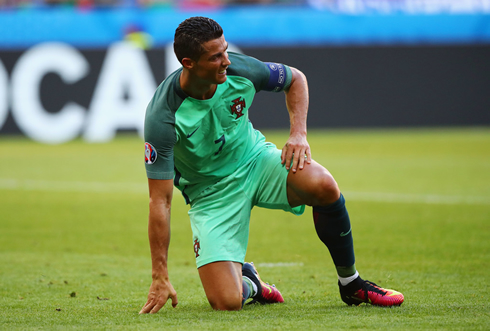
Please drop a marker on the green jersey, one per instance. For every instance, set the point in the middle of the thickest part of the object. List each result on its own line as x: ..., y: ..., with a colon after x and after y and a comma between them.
x: 199, y: 142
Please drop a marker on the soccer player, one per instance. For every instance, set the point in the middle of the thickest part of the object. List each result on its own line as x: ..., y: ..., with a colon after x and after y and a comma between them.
x: 199, y: 138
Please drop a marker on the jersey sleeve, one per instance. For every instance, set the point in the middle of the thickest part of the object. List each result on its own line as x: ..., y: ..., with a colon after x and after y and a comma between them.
x: 160, y: 135
x: 159, y: 151
x: 266, y: 76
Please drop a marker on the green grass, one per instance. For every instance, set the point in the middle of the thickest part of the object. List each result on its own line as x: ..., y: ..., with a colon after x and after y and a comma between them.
x: 74, y: 250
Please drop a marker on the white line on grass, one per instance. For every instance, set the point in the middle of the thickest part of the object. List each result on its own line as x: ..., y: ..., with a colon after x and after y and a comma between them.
x: 417, y: 198
x: 70, y: 186
x: 106, y: 187
x: 279, y: 264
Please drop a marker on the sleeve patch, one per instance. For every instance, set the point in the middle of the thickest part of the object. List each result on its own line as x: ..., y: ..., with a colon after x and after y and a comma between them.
x: 277, y: 78
x: 150, y: 154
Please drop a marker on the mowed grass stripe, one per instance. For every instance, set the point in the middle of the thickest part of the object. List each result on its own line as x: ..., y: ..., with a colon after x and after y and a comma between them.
x: 107, y: 187
x: 417, y: 198
x: 71, y: 186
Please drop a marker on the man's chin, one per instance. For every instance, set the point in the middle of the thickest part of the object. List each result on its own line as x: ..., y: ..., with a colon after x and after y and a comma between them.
x: 222, y: 79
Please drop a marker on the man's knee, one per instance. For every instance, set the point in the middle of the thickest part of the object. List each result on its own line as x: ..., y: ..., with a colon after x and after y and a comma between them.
x: 222, y: 282
x: 327, y: 190
x: 227, y: 302
x: 314, y: 187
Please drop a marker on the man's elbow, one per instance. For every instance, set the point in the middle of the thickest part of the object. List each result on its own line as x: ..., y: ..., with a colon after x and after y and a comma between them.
x: 160, y: 202
x: 297, y: 78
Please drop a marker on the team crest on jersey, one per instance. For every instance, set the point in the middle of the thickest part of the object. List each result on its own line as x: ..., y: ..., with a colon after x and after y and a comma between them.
x: 197, y: 247
x: 238, y: 107
x: 150, y: 154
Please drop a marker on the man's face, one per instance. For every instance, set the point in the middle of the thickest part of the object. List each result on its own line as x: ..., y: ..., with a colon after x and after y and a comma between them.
x: 212, y: 65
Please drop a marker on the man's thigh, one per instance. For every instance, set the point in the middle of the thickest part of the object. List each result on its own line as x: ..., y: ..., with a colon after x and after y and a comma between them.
x: 220, y: 219
x: 269, y: 182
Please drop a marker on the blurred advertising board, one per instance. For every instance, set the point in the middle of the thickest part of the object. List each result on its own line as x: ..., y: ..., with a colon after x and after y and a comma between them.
x: 68, y: 73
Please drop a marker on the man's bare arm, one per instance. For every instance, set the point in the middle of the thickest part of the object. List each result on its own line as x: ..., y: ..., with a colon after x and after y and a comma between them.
x: 159, y: 235
x: 297, y: 101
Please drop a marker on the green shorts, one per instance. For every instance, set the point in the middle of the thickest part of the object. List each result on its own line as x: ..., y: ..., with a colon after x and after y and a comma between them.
x: 220, y: 215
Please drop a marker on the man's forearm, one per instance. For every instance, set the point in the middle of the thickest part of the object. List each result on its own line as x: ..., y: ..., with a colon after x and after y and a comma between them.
x: 297, y: 102
x: 159, y: 236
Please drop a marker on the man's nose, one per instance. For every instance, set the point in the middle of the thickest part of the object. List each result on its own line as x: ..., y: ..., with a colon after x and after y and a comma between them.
x: 227, y: 61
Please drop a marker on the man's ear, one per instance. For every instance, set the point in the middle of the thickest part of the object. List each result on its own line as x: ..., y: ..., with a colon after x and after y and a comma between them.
x: 188, y: 63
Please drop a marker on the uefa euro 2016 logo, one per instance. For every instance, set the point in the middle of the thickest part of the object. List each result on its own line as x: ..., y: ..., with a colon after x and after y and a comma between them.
x: 150, y: 154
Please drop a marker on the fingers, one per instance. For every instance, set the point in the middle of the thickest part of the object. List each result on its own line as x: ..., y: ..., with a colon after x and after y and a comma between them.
x: 306, y: 157
x: 288, y: 153
x: 173, y: 297
x: 146, y: 308
x: 153, y: 305
x: 301, y: 160
x: 283, y: 154
x: 296, y: 159
x: 157, y: 307
x: 298, y: 156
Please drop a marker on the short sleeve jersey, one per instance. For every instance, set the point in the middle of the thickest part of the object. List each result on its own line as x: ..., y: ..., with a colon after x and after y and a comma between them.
x: 198, y: 142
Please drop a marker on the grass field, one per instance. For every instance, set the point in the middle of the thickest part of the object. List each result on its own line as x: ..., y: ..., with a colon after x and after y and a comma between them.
x: 74, y: 251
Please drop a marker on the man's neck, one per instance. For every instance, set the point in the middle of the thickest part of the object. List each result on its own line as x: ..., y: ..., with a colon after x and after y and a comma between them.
x: 194, y: 89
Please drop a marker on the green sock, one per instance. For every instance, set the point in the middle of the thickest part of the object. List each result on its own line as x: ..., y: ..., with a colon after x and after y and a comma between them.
x: 346, y: 271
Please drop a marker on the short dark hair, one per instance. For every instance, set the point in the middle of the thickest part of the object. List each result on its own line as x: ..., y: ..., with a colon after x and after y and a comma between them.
x: 192, y: 33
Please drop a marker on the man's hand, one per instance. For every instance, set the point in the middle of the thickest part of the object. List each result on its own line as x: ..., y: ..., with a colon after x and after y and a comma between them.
x: 160, y: 291
x: 296, y: 149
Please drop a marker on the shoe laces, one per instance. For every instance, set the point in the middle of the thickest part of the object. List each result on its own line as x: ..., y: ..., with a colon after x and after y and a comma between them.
x: 368, y: 286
